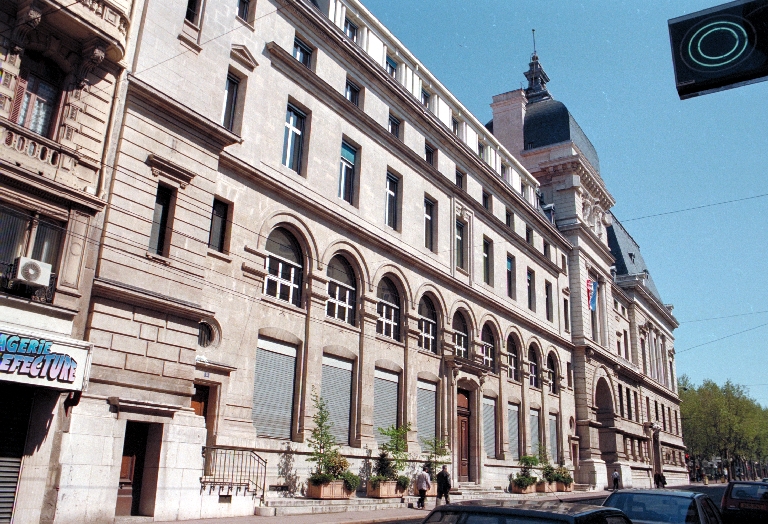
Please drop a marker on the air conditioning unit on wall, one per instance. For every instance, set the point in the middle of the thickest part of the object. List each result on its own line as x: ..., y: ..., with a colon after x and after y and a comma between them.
x: 31, y: 272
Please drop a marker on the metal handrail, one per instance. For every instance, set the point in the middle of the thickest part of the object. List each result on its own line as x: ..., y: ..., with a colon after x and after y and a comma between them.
x: 234, y: 469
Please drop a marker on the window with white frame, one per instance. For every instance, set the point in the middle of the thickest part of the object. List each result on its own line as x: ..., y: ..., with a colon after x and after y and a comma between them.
x: 342, y: 290
x: 460, y: 247
x: 427, y: 325
x: 293, y: 139
x: 388, y: 309
x: 285, y: 267
x: 429, y: 224
x: 513, y: 359
x: 425, y: 98
x: 390, y: 208
x: 350, y: 30
x: 552, y: 374
x: 347, y: 172
x: 488, y: 346
x: 460, y: 335
x: 391, y: 67
x: 533, y: 368
x: 302, y: 52
x: 230, y: 101
x: 487, y: 261
x: 352, y: 92
x: 393, y: 125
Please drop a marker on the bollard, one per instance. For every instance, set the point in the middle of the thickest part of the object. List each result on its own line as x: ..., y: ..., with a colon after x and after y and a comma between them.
x: 706, y: 480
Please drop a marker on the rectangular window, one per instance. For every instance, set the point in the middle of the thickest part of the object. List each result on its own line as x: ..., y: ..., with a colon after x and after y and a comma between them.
x: 352, y: 93
x: 390, y: 215
x: 504, y: 170
x: 425, y: 98
x: 564, y: 264
x: 593, y: 323
x: 626, y: 345
x: 486, y: 201
x: 511, y: 280
x: 569, y: 372
x: 487, y: 261
x: 529, y: 235
x: 426, y: 409
x: 243, y: 9
x: 637, y: 408
x: 302, y: 52
x: 347, y: 172
x: 656, y: 405
x: 272, y: 411
x: 230, y: 101
x: 553, y: 439
x: 629, y: 404
x: 336, y: 390
x: 547, y: 250
x: 548, y: 300
x: 391, y: 67
x: 158, y: 237
x: 621, y: 401
x: 218, y: 232
x: 350, y: 30
x: 459, y: 179
x: 513, y: 421
x: 459, y: 245
x: 385, y: 394
x: 663, y: 418
x: 489, y: 427
x: 618, y: 347
x: 509, y: 219
x: 293, y: 140
x: 531, y: 281
x: 394, y: 126
x: 20, y: 237
x: 566, y: 315
x: 429, y: 155
x: 455, y: 126
x: 524, y: 191
x: 193, y: 11
x: 677, y: 424
x: 481, y: 150
x: 535, y: 432
x: 429, y: 209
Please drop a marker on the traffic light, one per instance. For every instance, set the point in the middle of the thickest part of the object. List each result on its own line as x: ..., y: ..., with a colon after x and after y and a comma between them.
x: 720, y: 48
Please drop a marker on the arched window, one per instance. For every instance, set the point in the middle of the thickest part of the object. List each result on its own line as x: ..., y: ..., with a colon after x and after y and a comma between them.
x: 533, y: 368
x: 427, y: 325
x: 342, y: 290
x: 489, y: 346
x: 460, y: 335
x: 285, y: 267
x: 388, y: 309
x: 513, y: 360
x: 552, y: 374
x: 38, y: 90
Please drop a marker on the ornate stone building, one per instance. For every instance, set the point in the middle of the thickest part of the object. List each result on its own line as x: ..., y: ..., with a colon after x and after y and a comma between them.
x: 59, y: 65
x: 296, y: 204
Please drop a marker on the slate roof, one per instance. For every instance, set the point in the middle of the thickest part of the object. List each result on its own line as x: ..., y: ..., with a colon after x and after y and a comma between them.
x: 629, y: 260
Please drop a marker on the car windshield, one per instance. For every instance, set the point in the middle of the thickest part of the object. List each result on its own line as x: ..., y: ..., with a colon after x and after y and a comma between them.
x: 651, y: 507
x: 749, y: 492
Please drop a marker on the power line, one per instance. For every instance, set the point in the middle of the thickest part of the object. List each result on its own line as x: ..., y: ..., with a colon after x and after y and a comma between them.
x: 723, y: 338
x: 727, y: 316
x: 696, y: 207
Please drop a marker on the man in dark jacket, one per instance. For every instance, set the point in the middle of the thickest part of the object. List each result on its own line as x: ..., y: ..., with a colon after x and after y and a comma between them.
x: 443, y: 485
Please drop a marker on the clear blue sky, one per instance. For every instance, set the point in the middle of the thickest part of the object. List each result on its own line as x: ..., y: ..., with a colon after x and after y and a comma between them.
x: 610, y: 63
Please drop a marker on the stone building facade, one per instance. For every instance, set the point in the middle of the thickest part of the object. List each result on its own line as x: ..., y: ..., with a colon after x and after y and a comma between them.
x: 296, y: 205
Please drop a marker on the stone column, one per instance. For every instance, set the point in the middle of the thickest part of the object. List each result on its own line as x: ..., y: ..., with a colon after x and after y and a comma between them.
x: 525, y: 408
x: 501, y: 405
x: 544, y: 417
x: 410, y: 378
x: 367, y: 364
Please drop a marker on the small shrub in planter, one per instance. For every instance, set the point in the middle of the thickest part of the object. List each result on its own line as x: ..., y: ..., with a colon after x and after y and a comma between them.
x: 523, y: 481
x: 563, y: 479
x: 385, y: 483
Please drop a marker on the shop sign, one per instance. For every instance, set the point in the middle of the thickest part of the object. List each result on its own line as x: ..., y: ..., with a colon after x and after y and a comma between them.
x: 37, y: 361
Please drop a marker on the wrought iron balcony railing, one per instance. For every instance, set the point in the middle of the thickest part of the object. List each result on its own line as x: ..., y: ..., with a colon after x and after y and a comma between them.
x: 43, y: 295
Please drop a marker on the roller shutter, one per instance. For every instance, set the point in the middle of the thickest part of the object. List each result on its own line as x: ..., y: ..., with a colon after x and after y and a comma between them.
x: 336, y: 390
x: 553, y: 455
x: 535, y: 432
x: 513, y: 419
x: 273, y: 389
x: 426, y: 402
x: 14, y: 420
x: 489, y: 426
x: 385, y: 386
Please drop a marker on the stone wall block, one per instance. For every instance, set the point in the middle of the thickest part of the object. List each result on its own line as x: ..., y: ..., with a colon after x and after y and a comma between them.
x: 187, y: 356
x: 115, y: 309
x: 177, y: 338
x: 143, y: 364
x: 129, y: 344
x: 181, y: 371
x: 114, y: 324
x: 108, y: 358
x: 183, y: 325
x: 100, y: 338
x: 163, y: 351
x: 147, y: 316
x: 148, y: 332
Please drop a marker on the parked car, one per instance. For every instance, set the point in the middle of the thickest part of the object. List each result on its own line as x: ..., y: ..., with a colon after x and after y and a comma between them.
x: 523, y: 512
x: 745, y: 502
x: 646, y: 506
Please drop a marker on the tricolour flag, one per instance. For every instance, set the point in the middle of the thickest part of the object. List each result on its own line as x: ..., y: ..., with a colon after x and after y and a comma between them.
x: 592, y: 293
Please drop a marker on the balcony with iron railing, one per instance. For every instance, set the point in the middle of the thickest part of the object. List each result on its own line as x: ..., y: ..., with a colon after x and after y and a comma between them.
x: 43, y: 295
x: 232, y: 470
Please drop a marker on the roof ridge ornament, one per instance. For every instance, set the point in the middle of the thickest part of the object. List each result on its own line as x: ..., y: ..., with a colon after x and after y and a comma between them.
x: 537, y: 78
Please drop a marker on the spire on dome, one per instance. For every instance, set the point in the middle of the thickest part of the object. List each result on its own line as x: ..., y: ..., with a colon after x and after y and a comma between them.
x: 537, y: 78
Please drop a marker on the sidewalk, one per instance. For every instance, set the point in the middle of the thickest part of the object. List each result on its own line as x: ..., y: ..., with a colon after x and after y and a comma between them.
x: 371, y: 517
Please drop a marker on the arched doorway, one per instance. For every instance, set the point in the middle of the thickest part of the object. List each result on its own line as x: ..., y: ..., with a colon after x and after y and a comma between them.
x: 462, y: 414
x: 605, y: 417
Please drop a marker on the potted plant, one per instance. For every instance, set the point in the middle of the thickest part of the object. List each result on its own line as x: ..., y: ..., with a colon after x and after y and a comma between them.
x: 547, y: 482
x: 563, y: 479
x: 386, y: 481
x: 331, y: 478
x: 436, y: 450
x: 523, y: 482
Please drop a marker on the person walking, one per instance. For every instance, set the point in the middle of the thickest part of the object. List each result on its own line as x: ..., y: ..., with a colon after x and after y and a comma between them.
x: 443, y: 485
x: 423, y: 485
x: 615, y: 479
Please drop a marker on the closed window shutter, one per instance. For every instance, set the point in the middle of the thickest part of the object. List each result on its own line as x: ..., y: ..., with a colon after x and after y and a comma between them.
x: 18, y: 97
x: 384, y: 402
x: 553, y: 439
x: 535, y: 433
x: 513, y: 418
x: 426, y: 400
x: 489, y: 427
x: 14, y: 417
x: 273, y: 389
x: 336, y: 390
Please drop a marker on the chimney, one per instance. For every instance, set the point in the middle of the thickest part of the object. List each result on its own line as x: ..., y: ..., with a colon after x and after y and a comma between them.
x: 508, y: 118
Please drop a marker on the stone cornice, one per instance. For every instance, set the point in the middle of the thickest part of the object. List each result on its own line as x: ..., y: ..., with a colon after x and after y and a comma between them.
x: 163, y: 167
x: 141, y: 297
x: 210, y: 129
x: 637, y: 286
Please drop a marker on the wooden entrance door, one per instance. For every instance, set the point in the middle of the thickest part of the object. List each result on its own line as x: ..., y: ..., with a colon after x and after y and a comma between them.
x: 463, y: 413
x: 132, y: 468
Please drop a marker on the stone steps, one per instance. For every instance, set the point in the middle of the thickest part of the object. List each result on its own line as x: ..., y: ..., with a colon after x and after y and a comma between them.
x: 582, y: 487
x: 299, y: 506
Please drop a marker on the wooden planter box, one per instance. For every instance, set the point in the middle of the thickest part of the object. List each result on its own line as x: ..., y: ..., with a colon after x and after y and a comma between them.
x: 431, y: 492
x: 332, y: 490
x: 560, y: 486
x: 545, y: 487
x: 523, y: 491
x: 385, y: 490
